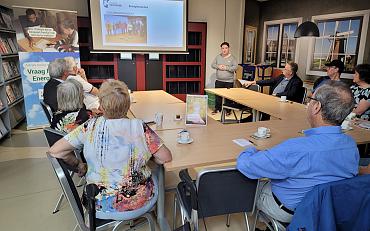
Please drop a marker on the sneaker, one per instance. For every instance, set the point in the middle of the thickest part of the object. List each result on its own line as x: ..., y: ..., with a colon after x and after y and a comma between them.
x: 214, y: 112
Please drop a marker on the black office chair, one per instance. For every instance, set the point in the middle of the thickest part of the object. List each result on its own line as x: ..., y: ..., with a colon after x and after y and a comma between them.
x: 47, y: 110
x: 215, y: 192
x: 61, y: 170
x: 244, y: 110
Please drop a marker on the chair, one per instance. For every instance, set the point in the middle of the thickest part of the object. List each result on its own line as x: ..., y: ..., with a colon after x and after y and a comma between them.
x: 215, y: 192
x: 61, y: 170
x: 47, y: 110
x: 303, y: 95
x: 238, y: 107
x: 52, y: 136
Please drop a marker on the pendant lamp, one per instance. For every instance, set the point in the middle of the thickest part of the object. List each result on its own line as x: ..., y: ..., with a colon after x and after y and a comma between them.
x: 307, y: 29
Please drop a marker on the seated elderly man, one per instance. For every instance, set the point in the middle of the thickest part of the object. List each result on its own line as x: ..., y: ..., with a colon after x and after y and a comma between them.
x: 91, y: 99
x: 58, y: 73
x: 288, y: 84
x: 323, y: 155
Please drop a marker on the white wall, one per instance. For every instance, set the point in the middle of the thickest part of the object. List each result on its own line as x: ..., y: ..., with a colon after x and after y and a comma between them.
x: 210, y: 11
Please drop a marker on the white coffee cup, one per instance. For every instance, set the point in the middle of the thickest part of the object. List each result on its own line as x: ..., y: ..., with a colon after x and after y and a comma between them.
x: 262, y: 131
x: 283, y: 98
x: 159, y: 119
x: 345, y: 124
x: 184, y: 136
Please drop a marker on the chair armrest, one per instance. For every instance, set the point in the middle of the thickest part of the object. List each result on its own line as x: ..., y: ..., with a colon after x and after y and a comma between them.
x: 190, y: 185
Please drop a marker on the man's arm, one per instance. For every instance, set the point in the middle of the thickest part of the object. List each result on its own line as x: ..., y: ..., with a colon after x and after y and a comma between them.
x: 214, y: 64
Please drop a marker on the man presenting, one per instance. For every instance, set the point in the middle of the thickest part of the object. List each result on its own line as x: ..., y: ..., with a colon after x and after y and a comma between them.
x: 323, y: 155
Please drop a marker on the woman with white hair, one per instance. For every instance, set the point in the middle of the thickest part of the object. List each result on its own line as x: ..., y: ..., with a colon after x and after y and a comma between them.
x: 71, y: 110
x: 117, y: 150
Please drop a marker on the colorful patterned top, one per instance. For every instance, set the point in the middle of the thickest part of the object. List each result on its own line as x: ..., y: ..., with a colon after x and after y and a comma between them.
x: 117, y: 152
x: 361, y: 94
x: 66, y: 121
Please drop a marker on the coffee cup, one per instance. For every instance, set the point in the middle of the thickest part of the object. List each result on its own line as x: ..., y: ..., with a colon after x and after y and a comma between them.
x: 262, y: 131
x: 178, y: 117
x: 159, y: 119
x: 345, y: 124
x: 184, y: 136
x: 283, y: 98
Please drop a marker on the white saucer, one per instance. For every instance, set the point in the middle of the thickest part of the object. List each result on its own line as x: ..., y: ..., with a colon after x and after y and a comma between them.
x: 347, y: 129
x: 190, y: 140
x: 259, y: 136
x: 177, y: 119
x: 283, y: 101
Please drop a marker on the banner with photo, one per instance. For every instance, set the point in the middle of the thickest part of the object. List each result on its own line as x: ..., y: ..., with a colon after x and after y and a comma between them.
x: 43, y: 35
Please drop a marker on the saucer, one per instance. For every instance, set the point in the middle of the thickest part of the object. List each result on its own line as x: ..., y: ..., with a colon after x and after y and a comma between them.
x: 190, y: 140
x: 283, y: 101
x: 262, y: 137
x: 347, y: 129
x: 178, y: 119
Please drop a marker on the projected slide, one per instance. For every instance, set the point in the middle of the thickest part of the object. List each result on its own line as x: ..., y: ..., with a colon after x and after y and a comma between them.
x: 139, y: 24
x: 125, y: 29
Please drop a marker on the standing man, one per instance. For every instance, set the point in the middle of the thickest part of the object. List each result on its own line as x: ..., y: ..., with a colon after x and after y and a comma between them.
x: 225, y: 65
x: 323, y: 155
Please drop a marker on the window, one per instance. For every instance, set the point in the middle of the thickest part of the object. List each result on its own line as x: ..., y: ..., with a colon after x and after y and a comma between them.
x: 343, y: 37
x: 339, y: 39
x: 279, y: 42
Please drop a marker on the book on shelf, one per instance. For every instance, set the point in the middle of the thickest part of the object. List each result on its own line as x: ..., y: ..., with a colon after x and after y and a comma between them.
x: 16, y: 91
x: 10, y: 94
x: 7, y: 46
x: 10, y: 69
x: 3, y: 129
x: 6, y: 20
x: 1, y: 105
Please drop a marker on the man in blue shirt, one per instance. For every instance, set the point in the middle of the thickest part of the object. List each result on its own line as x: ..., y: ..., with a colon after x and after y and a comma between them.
x: 295, y: 166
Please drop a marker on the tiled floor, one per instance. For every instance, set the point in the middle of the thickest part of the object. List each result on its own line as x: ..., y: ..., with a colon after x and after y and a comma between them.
x: 29, y: 189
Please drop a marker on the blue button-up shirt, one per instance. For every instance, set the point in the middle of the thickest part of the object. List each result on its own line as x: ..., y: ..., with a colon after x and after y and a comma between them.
x: 295, y: 166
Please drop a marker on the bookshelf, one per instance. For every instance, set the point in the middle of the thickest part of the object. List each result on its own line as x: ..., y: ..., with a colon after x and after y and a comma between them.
x: 97, y: 66
x: 184, y: 74
x: 12, y: 110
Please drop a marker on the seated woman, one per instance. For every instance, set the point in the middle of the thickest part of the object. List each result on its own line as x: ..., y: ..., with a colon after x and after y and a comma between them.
x: 117, y: 150
x: 361, y: 91
x: 71, y: 110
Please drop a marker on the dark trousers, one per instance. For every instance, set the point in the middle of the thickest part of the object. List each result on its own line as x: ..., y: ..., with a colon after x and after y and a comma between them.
x: 220, y: 84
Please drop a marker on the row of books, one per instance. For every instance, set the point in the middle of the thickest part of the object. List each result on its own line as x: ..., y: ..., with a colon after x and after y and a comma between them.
x: 13, y: 92
x: 10, y: 69
x: 1, y: 105
x: 8, y: 45
x: 16, y: 114
x: 3, y: 130
x: 6, y: 21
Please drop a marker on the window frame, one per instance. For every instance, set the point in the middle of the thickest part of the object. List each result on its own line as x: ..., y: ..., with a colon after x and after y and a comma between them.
x: 281, y: 23
x: 361, y: 48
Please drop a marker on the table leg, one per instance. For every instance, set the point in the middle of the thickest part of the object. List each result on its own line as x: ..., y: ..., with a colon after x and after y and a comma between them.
x: 222, y: 110
x: 161, y: 219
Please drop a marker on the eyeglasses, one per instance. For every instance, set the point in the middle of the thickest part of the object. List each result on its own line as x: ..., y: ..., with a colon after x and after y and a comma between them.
x: 311, y: 98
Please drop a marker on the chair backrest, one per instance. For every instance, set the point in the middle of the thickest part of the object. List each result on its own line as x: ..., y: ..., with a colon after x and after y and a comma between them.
x: 69, y: 189
x: 52, y: 135
x: 224, y: 191
x: 343, y: 204
x: 255, y: 87
x: 47, y: 110
x: 302, y: 95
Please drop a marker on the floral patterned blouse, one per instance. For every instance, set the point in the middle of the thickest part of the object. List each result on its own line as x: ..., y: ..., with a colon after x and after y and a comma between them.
x: 117, y: 152
x: 66, y: 121
x: 361, y: 94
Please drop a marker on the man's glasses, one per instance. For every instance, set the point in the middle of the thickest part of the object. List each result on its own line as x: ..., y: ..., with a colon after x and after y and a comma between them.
x: 311, y: 98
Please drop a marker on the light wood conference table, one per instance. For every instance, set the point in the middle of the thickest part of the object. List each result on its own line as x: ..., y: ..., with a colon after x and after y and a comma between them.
x: 154, y: 97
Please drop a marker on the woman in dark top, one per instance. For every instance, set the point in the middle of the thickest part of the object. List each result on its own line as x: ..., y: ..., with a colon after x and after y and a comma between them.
x: 71, y: 110
x: 361, y: 91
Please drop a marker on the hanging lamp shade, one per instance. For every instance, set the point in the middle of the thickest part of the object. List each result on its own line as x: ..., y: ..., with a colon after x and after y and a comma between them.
x: 307, y: 29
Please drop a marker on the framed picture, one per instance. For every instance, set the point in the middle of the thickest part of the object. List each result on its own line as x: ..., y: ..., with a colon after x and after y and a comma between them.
x: 250, y: 40
x: 196, y: 109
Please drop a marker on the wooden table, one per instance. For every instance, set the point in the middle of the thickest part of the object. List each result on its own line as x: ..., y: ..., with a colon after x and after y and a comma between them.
x: 154, y: 97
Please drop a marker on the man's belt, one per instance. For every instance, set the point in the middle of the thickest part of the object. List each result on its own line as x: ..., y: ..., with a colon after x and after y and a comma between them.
x: 282, y: 206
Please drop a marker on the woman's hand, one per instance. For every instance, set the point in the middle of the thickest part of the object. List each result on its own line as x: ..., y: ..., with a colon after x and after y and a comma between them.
x: 82, y: 169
